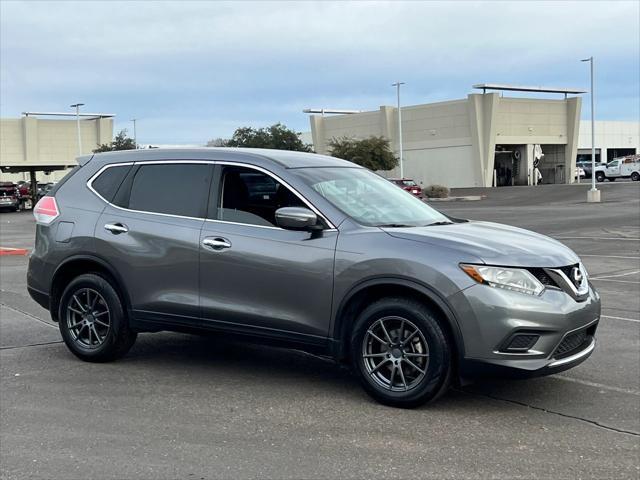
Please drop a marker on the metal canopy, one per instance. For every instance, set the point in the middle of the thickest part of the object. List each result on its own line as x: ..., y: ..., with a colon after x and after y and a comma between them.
x: 516, y: 88
x: 69, y: 114
x: 330, y: 111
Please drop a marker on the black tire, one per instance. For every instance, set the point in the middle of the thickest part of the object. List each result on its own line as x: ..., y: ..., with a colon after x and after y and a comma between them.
x: 635, y: 176
x: 118, y: 338
x: 600, y: 177
x: 436, y: 374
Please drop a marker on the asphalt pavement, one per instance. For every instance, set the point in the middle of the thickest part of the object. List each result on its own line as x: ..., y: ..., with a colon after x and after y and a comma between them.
x: 181, y: 406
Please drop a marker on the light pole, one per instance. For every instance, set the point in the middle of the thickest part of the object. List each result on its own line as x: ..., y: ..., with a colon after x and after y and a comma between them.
x: 77, y: 107
x: 135, y: 138
x: 593, y: 195
x: 397, y: 85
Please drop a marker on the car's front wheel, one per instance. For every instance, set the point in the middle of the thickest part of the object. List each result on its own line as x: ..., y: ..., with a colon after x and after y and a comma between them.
x: 600, y: 176
x: 400, y: 352
x: 635, y: 176
x: 92, y: 320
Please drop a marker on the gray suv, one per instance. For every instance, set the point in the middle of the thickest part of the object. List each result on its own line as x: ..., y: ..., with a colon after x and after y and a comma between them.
x: 309, y: 252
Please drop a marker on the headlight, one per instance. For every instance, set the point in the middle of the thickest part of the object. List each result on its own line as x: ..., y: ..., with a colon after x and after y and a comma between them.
x: 516, y: 279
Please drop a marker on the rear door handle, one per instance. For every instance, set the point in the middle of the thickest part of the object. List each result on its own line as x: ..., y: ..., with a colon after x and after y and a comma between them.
x: 216, y: 243
x: 116, y: 228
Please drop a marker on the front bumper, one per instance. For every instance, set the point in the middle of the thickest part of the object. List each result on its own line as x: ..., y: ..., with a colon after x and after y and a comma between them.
x: 489, y: 318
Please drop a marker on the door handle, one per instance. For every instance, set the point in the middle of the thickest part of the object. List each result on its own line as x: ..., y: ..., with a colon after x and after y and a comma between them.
x: 116, y: 228
x: 217, y: 243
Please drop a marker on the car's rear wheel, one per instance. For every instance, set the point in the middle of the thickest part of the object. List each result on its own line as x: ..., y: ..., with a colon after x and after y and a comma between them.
x: 92, y: 320
x: 400, y: 352
x: 635, y: 176
x: 600, y: 176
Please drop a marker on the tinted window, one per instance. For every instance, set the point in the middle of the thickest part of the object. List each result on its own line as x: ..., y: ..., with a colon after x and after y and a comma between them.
x: 176, y: 189
x: 108, y: 181
x: 252, y: 197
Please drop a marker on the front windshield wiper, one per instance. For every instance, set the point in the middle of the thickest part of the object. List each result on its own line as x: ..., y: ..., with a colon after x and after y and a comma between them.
x: 394, y: 225
x: 444, y: 222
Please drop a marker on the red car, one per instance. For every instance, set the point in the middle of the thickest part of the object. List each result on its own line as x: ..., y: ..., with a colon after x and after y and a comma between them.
x: 409, y: 185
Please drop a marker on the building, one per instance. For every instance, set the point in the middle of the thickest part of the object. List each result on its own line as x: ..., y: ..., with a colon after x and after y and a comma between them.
x: 486, y: 139
x: 612, y: 140
x: 46, y: 144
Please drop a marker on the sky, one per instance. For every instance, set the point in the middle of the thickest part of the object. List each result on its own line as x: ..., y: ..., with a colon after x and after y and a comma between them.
x: 193, y: 71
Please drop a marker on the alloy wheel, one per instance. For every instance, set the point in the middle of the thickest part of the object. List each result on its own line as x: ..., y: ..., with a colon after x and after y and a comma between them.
x: 88, y: 318
x: 395, y: 353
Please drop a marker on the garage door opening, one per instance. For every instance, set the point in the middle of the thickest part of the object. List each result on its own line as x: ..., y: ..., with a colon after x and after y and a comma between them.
x: 510, y: 166
x: 552, y: 164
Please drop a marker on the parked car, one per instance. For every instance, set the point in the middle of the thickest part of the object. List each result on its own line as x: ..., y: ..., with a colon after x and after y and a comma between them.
x: 586, y: 166
x: 9, y: 196
x: 44, y: 189
x: 409, y: 185
x: 624, y: 167
x: 338, y: 262
x: 579, y: 173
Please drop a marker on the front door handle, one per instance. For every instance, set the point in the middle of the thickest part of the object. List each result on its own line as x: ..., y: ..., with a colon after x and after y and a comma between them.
x: 216, y: 243
x: 116, y: 228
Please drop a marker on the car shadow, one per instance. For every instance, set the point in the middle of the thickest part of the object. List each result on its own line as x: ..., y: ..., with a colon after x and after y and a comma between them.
x: 207, y: 358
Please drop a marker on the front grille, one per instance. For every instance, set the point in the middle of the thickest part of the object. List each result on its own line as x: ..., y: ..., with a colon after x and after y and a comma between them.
x: 543, y: 277
x: 574, y: 342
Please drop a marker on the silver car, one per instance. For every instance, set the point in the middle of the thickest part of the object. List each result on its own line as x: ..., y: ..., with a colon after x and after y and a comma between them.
x: 305, y: 251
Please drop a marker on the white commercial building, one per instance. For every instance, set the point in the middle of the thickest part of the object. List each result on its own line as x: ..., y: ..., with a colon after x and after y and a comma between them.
x: 483, y: 140
x: 613, y: 139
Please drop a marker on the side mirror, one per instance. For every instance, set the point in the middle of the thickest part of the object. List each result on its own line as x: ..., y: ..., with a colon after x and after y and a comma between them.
x: 297, y: 218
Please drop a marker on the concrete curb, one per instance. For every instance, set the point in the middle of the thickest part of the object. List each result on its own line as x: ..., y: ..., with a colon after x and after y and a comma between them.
x: 468, y: 198
x: 13, y: 251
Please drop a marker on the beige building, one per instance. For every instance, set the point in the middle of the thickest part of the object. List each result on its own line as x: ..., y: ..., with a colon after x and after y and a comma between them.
x: 483, y: 140
x: 47, y: 145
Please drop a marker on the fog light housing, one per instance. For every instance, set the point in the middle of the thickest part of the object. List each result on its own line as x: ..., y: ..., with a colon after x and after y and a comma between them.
x: 520, y: 343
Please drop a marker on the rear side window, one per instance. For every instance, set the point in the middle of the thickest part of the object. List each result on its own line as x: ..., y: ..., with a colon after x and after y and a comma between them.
x: 108, y: 181
x: 174, y: 189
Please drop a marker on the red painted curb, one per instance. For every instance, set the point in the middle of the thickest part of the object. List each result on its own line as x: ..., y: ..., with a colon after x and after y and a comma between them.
x: 13, y: 251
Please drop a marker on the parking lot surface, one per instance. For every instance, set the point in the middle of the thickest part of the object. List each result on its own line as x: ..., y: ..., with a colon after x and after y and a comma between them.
x: 180, y: 406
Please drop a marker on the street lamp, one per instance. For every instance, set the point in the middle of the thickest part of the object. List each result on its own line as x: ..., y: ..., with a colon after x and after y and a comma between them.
x: 593, y: 195
x: 135, y: 138
x: 77, y: 107
x: 397, y: 85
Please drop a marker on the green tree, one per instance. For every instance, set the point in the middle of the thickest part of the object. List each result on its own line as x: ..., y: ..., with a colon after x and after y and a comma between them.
x: 373, y: 153
x: 276, y: 136
x: 120, y: 142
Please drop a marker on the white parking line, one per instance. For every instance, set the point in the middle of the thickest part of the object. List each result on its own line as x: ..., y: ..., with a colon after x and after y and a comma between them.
x: 598, y: 385
x: 610, y: 256
x: 616, y: 281
x: 617, y: 275
x: 599, y: 238
x: 621, y: 318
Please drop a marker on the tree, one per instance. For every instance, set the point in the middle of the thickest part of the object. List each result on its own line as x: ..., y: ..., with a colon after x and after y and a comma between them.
x: 276, y: 136
x: 373, y: 153
x: 217, y: 142
x: 120, y: 142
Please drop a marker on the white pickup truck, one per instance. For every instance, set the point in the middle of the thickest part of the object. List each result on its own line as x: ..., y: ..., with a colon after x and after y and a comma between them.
x: 624, y: 167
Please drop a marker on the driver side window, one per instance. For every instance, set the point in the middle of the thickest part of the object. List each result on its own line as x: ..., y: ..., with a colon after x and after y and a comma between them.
x: 252, y: 197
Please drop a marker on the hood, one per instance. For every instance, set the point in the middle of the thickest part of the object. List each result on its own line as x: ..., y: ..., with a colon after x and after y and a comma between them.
x: 493, y: 243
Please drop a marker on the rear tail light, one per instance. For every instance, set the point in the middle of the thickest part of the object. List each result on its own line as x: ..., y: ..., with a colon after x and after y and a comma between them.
x: 46, y: 210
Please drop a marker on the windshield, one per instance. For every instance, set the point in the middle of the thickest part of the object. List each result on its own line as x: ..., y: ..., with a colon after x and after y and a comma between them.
x: 368, y: 198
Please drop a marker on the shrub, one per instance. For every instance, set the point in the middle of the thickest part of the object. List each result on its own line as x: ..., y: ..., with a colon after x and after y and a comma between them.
x: 436, y: 191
